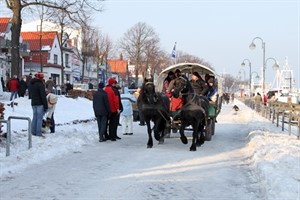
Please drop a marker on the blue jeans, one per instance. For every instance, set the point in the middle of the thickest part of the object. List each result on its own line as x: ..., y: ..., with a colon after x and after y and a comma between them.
x: 37, y: 120
x: 13, y: 94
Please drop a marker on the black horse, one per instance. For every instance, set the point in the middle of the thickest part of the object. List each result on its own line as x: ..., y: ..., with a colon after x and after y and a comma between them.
x: 155, y: 108
x: 194, y: 111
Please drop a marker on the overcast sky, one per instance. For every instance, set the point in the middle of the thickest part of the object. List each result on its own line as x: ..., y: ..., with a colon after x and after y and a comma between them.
x: 220, y: 32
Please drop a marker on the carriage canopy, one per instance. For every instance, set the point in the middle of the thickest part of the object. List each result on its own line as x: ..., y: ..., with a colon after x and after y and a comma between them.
x: 187, y: 68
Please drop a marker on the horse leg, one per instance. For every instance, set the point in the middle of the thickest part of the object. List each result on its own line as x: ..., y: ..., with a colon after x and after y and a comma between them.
x: 160, y: 127
x: 156, y: 130
x: 182, y: 136
x: 195, y: 126
x: 201, y: 137
x: 150, y: 140
x: 161, y: 139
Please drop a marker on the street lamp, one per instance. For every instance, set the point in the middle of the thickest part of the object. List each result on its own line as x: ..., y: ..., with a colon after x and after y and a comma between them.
x: 243, y: 65
x: 257, y: 77
x: 276, y: 65
x: 252, y: 46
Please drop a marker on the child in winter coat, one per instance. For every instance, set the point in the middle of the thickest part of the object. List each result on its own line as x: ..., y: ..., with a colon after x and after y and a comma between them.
x: 127, y: 114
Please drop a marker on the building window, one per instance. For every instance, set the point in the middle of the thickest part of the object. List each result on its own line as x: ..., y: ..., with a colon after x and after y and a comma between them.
x: 67, y: 60
x: 55, y: 59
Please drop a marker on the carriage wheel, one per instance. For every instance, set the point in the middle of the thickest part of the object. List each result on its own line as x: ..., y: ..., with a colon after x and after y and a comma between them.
x: 210, y: 128
x: 213, y: 122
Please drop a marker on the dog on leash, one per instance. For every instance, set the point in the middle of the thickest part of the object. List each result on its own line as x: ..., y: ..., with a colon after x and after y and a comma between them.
x: 46, y: 124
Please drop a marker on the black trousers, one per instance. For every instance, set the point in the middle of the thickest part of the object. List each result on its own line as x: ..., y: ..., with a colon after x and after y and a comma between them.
x: 113, y: 125
x: 102, y: 125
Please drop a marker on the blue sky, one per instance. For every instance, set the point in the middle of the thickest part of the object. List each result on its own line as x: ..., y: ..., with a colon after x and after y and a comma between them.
x: 220, y: 32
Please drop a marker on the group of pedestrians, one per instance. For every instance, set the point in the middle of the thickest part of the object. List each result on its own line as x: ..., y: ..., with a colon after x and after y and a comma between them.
x: 16, y: 87
x: 108, y: 106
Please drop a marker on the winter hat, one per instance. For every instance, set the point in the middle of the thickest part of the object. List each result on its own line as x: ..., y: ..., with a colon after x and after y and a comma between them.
x: 211, y: 80
x: 196, y: 74
x: 52, y: 98
x: 101, y: 85
x: 111, y: 81
x: 39, y: 75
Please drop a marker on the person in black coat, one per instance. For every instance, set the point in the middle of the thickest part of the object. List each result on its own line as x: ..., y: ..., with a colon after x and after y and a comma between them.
x: 102, y: 110
x: 116, y: 89
x: 22, y: 87
x: 39, y: 103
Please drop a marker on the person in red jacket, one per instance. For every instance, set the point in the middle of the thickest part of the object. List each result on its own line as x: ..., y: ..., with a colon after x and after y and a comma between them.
x: 13, y: 86
x: 114, y: 104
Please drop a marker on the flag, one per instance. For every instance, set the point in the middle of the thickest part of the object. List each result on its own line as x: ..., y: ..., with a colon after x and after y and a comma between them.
x: 174, y: 51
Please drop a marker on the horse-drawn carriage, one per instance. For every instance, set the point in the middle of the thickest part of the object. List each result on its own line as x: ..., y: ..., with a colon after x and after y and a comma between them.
x: 214, y: 107
x: 196, y: 111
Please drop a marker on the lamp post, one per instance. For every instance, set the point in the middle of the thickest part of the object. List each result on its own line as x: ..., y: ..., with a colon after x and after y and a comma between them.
x: 275, y: 67
x: 257, y: 77
x: 252, y: 46
x: 243, y: 65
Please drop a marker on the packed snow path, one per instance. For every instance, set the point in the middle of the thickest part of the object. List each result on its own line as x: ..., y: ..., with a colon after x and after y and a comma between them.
x: 126, y: 169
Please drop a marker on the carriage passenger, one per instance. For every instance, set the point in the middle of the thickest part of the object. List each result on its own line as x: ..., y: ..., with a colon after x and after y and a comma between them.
x: 168, y: 79
x: 175, y: 103
x: 213, y: 90
x: 199, y: 85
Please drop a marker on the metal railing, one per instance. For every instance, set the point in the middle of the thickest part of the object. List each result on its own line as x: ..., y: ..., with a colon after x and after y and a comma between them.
x: 287, y: 114
x: 8, y: 130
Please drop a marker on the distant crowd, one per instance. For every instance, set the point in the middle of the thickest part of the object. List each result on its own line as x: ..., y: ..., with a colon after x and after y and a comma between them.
x: 22, y: 87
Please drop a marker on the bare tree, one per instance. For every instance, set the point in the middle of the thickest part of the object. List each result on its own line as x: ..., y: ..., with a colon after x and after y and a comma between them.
x: 152, y: 52
x: 88, y: 47
x: 134, y: 44
x: 104, y: 46
x: 70, y: 7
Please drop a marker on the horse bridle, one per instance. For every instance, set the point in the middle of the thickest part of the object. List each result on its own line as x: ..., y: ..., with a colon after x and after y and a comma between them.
x: 147, y: 95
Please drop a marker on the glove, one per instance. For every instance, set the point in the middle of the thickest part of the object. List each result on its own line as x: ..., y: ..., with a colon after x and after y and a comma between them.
x: 119, y: 111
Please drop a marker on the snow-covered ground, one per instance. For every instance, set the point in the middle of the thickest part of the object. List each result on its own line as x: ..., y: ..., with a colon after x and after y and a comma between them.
x: 248, y: 158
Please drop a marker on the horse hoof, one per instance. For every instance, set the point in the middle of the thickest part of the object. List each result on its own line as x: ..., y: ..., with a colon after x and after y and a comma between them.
x: 161, y: 141
x: 184, y: 140
x: 199, y: 143
x: 149, y: 146
x: 193, y: 148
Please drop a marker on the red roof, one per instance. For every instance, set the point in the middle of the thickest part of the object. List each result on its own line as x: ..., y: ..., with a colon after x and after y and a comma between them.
x: 118, y: 66
x: 3, y: 24
x: 33, y: 38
